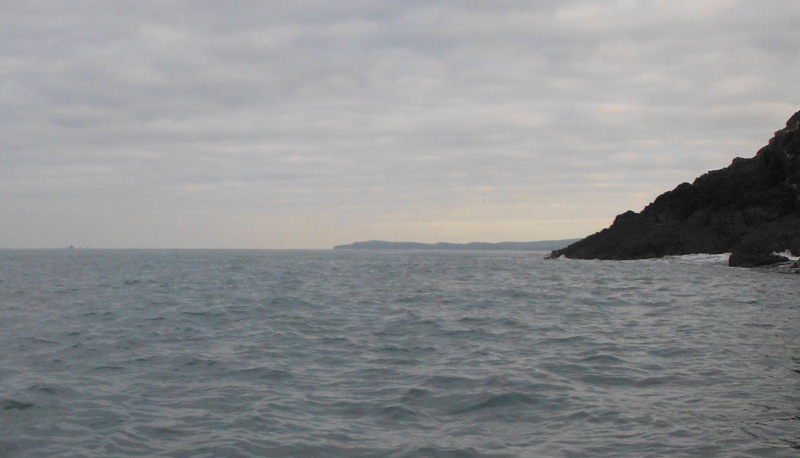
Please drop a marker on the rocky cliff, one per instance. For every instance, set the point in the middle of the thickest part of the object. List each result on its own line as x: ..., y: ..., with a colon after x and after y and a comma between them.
x: 750, y: 208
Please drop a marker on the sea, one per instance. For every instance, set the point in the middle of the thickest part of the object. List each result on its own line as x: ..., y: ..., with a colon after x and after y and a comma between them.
x: 368, y: 353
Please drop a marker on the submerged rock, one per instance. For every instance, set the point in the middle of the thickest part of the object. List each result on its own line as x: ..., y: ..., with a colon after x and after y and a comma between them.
x: 750, y: 259
x: 750, y: 208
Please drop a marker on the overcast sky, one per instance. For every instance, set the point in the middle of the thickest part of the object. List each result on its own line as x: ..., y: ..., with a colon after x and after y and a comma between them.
x: 306, y: 124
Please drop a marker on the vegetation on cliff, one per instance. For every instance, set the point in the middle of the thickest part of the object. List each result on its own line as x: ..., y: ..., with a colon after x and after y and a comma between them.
x: 750, y: 208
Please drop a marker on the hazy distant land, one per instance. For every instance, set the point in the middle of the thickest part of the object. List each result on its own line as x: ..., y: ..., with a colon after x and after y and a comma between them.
x: 541, y: 245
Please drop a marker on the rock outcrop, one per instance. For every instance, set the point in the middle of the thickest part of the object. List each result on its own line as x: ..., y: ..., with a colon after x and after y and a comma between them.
x: 750, y: 208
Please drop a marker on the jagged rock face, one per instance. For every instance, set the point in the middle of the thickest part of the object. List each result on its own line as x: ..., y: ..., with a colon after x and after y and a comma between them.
x: 751, y: 206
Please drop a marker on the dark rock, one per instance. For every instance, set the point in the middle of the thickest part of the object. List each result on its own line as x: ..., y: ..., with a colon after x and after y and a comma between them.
x: 751, y: 208
x: 749, y: 259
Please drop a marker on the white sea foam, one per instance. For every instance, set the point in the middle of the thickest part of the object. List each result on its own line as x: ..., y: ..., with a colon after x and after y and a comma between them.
x: 787, y: 254
x: 701, y: 258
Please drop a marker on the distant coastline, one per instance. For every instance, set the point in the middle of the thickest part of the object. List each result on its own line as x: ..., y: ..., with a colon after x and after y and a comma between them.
x: 541, y: 245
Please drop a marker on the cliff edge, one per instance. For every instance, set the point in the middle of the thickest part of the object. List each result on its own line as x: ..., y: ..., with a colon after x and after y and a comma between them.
x: 750, y: 208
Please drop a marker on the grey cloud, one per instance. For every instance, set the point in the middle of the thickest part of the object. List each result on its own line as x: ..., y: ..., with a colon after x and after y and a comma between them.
x: 307, y: 106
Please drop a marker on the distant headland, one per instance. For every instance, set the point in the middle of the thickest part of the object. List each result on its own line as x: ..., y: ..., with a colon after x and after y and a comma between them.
x: 750, y: 209
x: 542, y: 245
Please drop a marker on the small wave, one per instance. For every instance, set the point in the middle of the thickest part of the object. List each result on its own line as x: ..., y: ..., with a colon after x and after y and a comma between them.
x: 108, y: 368
x: 290, y: 303
x: 473, y: 319
x: 440, y: 452
x: 11, y: 404
x: 205, y: 314
x: 604, y: 359
x: 607, y: 381
x: 163, y: 431
x: 451, y: 381
x: 200, y: 362
x: 399, y: 413
x: 41, y: 340
x: 66, y: 291
x: 569, y: 340
x: 416, y: 394
x: 337, y: 340
x: 397, y: 361
x: 660, y: 381
x: 53, y: 390
x: 500, y: 401
x: 672, y: 352
x: 760, y: 325
x: 266, y: 373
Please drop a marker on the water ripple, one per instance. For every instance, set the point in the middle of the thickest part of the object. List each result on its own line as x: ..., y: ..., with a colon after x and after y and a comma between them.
x: 392, y: 354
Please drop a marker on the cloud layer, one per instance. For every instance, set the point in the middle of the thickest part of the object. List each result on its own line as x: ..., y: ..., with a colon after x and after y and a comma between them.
x: 309, y: 124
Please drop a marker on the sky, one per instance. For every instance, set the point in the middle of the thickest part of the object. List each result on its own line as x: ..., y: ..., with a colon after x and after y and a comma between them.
x: 313, y: 123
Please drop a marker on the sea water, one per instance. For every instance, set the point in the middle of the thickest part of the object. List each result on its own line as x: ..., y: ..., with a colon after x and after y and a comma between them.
x: 393, y: 354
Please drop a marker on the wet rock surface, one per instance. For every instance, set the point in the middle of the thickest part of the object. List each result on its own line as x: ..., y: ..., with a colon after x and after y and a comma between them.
x: 750, y: 208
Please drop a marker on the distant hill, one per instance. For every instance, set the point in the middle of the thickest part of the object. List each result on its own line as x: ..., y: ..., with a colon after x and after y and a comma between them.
x: 750, y: 208
x: 542, y: 245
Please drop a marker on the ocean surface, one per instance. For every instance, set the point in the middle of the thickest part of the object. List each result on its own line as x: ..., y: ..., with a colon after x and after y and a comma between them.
x: 394, y: 354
